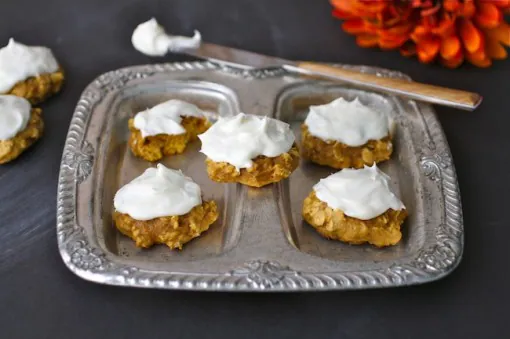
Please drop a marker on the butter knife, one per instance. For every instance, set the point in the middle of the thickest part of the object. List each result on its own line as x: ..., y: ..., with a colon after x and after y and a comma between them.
x: 400, y: 87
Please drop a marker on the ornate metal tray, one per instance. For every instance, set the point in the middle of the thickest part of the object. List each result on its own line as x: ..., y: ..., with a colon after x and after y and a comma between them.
x: 260, y: 242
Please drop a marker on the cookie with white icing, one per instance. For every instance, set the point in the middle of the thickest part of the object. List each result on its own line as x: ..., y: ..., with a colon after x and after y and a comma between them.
x: 20, y: 126
x: 30, y: 72
x: 162, y: 206
x: 165, y: 129
x: 249, y: 149
x: 346, y: 134
x: 356, y: 206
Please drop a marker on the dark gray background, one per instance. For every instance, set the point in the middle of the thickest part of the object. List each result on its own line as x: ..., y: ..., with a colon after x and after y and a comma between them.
x: 40, y: 298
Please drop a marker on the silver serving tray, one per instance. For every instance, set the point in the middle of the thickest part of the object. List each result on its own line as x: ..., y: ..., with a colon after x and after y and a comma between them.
x: 260, y: 242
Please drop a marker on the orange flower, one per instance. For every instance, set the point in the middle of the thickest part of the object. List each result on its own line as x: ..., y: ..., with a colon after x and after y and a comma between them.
x: 449, y: 31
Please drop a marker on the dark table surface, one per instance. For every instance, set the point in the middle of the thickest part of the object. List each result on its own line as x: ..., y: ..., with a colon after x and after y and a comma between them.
x: 40, y: 298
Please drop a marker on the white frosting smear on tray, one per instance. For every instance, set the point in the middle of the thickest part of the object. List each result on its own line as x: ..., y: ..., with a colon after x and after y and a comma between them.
x: 151, y: 39
x: 14, y: 115
x: 19, y: 62
x: 165, y: 118
x: 360, y: 193
x: 158, y: 192
x: 349, y: 122
x: 239, y: 139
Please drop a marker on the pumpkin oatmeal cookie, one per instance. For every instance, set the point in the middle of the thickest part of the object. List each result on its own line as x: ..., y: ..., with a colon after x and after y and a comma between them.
x: 264, y: 170
x: 346, y: 134
x: 20, y: 126
x: 356, y: 206
x: 39, y: 88
x: 154, y: 148
x: 165, y: 129
x: 30, y: 72
x: 249, y: 149
x: 173, y: 231
x: 338, y: 155
x: 383, y: 230
x: 162, y: 206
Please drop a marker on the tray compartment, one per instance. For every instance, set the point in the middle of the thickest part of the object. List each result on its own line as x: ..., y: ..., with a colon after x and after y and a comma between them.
x: 292, y: 107
x: 121, y: 166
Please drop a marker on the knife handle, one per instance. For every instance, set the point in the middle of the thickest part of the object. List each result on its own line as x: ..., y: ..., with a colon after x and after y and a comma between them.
x: 410, y: 89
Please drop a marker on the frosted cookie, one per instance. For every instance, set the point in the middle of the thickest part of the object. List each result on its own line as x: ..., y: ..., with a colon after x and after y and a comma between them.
x: 345, y: 134
x: 249, y: 149
x: 165, y: 129
x: 20, y: 126
x: 162, y: 206
x: 31, y: 72
x: 356, y: 206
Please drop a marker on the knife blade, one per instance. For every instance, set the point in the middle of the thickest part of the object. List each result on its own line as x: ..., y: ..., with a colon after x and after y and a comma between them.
x: 409, y: 89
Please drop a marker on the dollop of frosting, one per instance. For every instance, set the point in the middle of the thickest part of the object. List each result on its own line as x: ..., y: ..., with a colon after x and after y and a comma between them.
x: 151, y: 39
x: 19, y: 62
x: 360, y: 193
x: 158, y: 192
x: 239, y: 139
x: 14, y: 115
x: 165, y: 118
x: 349, y: 122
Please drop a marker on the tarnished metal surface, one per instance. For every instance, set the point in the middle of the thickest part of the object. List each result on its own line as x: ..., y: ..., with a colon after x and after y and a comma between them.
x: 260, y: 242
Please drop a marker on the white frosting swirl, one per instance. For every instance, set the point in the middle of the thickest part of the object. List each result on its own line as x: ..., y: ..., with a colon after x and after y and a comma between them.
x: 239, y: 139
x: 165, y: 118
x: 349, y: 122
x: 19, y: 62
x: 360, y: 193
x: 14, y: 115
x: 151, y: 39
x: 158, y: 192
